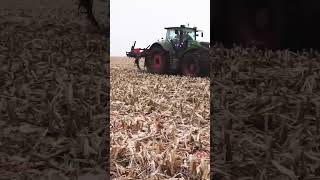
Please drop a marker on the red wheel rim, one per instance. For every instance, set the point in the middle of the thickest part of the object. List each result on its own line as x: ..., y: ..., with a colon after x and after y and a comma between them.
x: 157, y: 59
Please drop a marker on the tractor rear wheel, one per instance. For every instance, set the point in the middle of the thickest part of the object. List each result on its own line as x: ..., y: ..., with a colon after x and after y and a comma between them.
x: 157, y: 63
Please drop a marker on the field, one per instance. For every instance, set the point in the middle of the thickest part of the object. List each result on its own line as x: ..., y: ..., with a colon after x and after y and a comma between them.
x: 53, y: 92
x: 265, y: 114
x: 159, y: 124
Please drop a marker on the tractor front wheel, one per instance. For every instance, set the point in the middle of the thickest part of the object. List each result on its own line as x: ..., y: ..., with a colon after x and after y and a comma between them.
x: 190, y: 65
x: 157, y: 63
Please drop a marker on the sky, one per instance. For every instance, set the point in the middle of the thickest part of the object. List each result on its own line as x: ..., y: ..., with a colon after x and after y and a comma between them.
x: 144, y: 21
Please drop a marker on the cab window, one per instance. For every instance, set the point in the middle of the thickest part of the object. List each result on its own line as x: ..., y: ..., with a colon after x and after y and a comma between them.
x: 171, y: 34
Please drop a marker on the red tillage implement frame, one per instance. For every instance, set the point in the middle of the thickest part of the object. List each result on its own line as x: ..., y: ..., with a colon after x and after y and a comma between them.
x: 137, y: 54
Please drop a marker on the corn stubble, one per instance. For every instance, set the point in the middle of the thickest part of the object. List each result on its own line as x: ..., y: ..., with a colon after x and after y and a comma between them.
x: 52, y: 90
x: 159, y: 125
x: 265, y: 114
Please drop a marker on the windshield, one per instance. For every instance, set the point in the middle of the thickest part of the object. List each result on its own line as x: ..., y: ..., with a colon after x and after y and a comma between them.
x: 189, y: 34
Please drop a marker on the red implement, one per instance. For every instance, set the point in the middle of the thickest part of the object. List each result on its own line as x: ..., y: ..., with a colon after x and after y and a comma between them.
x: 137, y: 51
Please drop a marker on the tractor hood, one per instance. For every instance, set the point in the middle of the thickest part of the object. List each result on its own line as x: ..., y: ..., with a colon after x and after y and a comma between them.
x: 205, y: 44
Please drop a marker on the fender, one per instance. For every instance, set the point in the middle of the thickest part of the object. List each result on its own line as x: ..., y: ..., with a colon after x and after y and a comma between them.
x: 165, y: 45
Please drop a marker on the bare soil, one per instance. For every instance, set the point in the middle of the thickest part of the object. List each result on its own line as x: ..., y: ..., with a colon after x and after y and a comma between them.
x: 159, y: 124
x: 53, y: 92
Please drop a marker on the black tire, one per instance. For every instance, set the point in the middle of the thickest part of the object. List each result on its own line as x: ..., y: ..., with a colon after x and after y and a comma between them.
x: 190, y: 65
x: 195, y: 63
x: 157, y: 63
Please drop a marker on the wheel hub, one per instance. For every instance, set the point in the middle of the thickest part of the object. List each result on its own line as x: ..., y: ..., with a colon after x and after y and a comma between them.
x: 157, y: 61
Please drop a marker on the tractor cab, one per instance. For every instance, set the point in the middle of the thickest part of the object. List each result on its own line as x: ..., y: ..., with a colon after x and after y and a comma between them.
x: 181, y: 37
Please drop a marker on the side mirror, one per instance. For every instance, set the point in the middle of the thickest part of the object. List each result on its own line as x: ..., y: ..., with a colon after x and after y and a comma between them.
x: 176, y: 31
x: 201, y: 34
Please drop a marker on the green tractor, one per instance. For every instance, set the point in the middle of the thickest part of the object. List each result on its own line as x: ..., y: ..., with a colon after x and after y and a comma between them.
x: 178, y: 53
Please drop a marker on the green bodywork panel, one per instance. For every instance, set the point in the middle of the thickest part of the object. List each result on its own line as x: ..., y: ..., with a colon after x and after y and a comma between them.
x: 193, y: 45
x: 168, y: 47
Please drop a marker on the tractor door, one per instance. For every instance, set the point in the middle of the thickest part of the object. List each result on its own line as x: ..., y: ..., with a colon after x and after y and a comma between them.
x: 174, y: 37
x: 187, y: 37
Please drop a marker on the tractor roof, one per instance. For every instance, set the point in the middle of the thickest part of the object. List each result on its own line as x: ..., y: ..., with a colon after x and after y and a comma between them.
x: 182, y: 27
x: 179, y: 28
